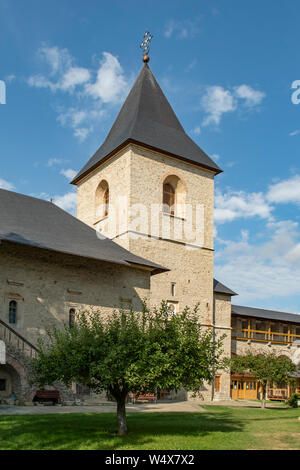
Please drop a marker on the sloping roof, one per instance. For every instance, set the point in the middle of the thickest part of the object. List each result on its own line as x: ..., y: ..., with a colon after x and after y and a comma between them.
x: 147, y: 118
x: 220, y: 288
x: 265, y: 314
x: 39, y: 223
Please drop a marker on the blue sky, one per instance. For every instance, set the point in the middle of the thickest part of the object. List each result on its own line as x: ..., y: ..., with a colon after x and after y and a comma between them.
x: 226, y: 67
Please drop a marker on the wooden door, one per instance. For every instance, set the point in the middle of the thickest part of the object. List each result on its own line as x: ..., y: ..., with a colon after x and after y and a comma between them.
x: 241, y: 389
x: 250, y: 389
x: 237, y: 388
x: 217, y: 383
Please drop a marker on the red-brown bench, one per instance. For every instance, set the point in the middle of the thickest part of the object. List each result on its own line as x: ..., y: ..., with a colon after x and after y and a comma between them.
x: 146, y: 396
x: 46, y: 396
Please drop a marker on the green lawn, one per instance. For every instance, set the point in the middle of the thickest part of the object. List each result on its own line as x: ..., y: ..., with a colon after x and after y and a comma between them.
x: 217, y: 428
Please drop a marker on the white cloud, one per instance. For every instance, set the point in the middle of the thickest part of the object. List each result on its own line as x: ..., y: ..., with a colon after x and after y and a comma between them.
x: 74, y: 117
x: 10, y: 78
x: 39, y: 81
x: 92, y: 89
x: 252, y: 97
x: 55, y: 161
x: 57, y: 58
x: 181, y: 29
x: 262, y: 271
x: 73, y: 77
x: 82, y: 132
x: 63, y: 74
x: 68, y: 173
x: 286, y: 191
x: 239, y: 204
x: 6, y: 185
x: 296, y: 132
x: 80, y: 120
x: 191, y: 65
x: 110, y: 85
x: 67, y: 202
x: 196, y: 130
x: 215, y: 157
x: 216, y: 101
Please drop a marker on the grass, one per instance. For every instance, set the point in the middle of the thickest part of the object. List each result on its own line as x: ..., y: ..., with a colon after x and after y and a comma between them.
x: 217, y: 428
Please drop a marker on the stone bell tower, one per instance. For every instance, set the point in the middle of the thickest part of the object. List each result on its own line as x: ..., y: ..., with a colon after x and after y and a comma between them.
x: 150, y: 188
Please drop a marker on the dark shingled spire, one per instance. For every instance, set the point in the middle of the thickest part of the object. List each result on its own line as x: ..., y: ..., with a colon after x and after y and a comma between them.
x: 147, y: 118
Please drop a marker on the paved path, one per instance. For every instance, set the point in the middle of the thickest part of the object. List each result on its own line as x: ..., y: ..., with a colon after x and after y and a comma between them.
x: 148, y: 408
x: 247, y: 403
x: 161, y: 407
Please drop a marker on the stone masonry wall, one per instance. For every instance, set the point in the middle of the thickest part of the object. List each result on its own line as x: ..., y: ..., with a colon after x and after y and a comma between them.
x: 46, y: 285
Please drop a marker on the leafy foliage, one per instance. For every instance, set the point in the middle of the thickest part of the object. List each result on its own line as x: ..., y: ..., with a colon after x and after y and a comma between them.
x: 293, y: 400
x: 130, y: 352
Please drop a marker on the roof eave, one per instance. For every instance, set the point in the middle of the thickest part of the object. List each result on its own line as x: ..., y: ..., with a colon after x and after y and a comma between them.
x: 226, y: 293
x: 76, y: 180
x: 155, y: 269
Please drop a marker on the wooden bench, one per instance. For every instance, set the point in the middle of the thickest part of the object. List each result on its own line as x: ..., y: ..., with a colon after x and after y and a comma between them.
x: 47, y: 395
x: 147, y: 397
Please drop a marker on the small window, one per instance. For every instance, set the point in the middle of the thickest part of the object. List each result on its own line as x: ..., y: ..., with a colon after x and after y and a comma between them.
x: 2, y: 385
x: 12, y: 313
x: 169, y: 198
x: 71, y: 317
x: 173, y: 289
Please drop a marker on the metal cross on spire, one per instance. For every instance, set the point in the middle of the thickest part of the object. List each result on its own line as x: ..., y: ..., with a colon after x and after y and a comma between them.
x: 145, y: 46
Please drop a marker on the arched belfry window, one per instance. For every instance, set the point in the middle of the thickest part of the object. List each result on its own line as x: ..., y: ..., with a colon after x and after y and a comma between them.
x: 174, y: 195
x: 102, y: 200
x: 106, y: 202
x: 169, y: 198
x: 12, y: 312
x: 72, y: 314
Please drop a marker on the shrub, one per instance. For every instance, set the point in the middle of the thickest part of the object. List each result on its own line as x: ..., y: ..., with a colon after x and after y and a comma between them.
x: 293, y: 400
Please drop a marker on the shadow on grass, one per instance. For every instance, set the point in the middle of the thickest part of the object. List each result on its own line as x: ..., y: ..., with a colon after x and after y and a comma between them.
x: 97, y: 431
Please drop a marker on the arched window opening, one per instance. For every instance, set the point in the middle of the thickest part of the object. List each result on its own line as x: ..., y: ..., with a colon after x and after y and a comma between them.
x: 101, y: 201
x: 106, y: 202
x: 174, y: 196
x: 12, y: 312
x: 72, y: 314
x: 169, y: 198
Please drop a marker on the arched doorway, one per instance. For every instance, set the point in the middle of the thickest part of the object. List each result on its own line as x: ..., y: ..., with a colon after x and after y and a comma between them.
x: 10, y: 383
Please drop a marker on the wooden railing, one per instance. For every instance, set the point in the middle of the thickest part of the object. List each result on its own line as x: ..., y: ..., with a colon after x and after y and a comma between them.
x: 277, y: 393
x: 264, y: 336
x: 12, y: 337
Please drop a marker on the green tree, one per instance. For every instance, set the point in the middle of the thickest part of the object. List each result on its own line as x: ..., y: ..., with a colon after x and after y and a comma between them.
x: 266, y: 367
x: 130, y: 352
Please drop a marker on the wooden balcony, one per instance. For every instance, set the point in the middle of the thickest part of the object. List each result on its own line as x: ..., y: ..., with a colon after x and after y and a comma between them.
x: 266, y: 336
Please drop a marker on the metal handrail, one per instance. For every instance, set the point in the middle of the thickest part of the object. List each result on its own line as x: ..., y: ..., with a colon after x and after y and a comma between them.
x: 20, y: 337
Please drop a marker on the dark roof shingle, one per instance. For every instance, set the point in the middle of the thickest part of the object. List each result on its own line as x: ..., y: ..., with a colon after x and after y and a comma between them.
x: 220, y: 288
x: 265, y: 314
x: 39, y: 223
x: 147, y: 118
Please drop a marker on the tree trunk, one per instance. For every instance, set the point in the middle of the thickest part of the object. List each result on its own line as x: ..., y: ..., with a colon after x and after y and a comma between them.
x: 263, y: 402
x: 122, y: 422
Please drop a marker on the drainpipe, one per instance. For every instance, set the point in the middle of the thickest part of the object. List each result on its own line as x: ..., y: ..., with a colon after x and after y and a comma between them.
x: 214, y: 339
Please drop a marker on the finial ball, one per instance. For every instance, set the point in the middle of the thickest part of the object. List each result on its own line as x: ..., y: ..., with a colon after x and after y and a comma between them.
x: 146, y: 58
